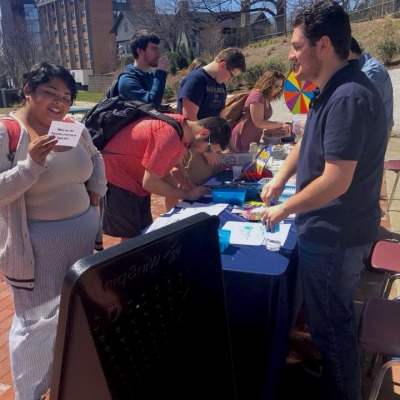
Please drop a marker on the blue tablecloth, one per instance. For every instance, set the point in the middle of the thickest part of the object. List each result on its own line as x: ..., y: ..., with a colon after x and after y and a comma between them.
x: 260, y: 296
x: 259, y: 290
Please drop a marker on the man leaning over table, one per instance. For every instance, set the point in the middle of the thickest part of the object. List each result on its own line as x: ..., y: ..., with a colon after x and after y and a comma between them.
x: 138, y: 162
x: 339, y: 166
x: 202, y: 94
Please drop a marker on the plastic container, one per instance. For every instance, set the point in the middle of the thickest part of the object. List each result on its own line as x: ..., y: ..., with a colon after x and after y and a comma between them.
x: 298, y: 124
x: 235, y: 196
x: 224, y: 236
x: 253, y: 191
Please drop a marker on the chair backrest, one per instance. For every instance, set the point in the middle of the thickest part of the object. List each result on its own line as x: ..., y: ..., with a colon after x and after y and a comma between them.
x: 379, y: 329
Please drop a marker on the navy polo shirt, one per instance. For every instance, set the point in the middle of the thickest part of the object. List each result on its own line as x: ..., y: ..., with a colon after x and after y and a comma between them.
x: 346, y: 121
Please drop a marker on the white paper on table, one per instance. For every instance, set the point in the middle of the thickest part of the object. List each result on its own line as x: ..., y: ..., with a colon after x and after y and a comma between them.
x: 164, y: 221
x: 67, y: 133
x: 210, y: 209
x: 212, y: 182
x: 254, y: 233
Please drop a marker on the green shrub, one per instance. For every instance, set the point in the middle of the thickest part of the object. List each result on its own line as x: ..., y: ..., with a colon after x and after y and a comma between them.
x: 252, y: 74
x: 168, y: 93
x: 387, y: 49
x: 128, y: 59
x: 177, y: 61
x: 396, y: 14
x: 173, y: 68
x: 275, y: 64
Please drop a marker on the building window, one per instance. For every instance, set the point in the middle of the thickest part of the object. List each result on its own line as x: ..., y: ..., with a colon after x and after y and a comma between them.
x: 75, y: 44
x: 62, y: 3
x: 66, y: 45
x: 86, y: 42
x: 120, y: 1
x: 74, y: 29
x: 67, y: 59
x: 65, y: 32
x: 86, y: 56
x: 126, y: 27
x: 76, y: 57
x: 83, y: 13
x: 72, y: 16
x: 55, y: 33
x: 63, y: 18
x: 84, y: 28
x: 71, y: 2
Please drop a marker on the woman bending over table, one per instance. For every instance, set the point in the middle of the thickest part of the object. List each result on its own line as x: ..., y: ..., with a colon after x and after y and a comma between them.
x: 48, y: 218
x: 257, y: 112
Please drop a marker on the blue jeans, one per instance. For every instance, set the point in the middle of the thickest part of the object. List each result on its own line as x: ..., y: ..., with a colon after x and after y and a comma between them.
x: 330, y: 277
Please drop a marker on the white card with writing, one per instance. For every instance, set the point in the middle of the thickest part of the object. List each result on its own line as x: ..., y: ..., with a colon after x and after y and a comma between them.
x: 67, y: 133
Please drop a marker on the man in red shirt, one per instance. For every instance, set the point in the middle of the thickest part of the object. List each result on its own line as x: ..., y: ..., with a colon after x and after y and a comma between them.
x: 138, y: 162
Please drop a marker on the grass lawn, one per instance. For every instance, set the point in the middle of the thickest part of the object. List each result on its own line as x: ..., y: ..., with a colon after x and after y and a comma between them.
x: 93, y: 97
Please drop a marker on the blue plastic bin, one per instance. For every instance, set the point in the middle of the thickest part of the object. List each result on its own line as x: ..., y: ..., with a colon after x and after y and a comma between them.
x: 233, y: 196
x: 224, y: 236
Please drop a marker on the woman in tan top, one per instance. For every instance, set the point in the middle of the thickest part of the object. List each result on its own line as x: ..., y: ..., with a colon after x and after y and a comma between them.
x: 48, y: 218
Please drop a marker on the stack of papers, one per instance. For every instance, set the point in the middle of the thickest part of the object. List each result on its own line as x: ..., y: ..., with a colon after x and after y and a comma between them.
x: 254, y: 233
x: 187, y: 210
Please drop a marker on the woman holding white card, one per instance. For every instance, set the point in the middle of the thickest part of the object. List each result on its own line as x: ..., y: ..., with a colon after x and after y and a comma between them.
x: 48, y: 218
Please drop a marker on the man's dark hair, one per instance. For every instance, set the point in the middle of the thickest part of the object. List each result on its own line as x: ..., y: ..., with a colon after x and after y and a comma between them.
x: 354, y: 46
x: 326, y: 18
x: 43, y: 73
x: 220, y: 131
x: 233, y: 58
x: 141, y: 40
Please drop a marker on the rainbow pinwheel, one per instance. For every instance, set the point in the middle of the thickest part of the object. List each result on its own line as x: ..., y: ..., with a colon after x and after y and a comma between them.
x: 298, y: 94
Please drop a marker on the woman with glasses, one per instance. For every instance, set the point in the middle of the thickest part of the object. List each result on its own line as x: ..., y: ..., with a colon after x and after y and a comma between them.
x: 257, y: 112
x: 48, y: 218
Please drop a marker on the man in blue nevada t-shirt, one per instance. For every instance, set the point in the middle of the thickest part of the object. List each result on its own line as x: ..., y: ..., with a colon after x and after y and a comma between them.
x: 339, y: 166
x: 202, y: 92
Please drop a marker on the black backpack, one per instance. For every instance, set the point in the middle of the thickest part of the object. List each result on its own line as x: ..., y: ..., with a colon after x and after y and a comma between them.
x: 109, y: 116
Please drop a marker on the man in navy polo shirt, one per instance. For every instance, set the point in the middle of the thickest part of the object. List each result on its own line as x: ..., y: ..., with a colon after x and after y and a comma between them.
x: 339, y: 166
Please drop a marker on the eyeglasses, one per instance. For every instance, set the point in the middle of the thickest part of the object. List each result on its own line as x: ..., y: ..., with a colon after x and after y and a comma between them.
x: 278, y: 87
x: 230, y: 72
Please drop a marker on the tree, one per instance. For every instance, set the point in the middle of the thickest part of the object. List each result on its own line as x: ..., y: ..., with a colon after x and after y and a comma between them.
x: 222, y: 10
x: 20, y: 48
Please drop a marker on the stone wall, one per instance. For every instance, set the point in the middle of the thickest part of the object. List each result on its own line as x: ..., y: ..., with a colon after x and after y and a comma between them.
x: 100, y: 83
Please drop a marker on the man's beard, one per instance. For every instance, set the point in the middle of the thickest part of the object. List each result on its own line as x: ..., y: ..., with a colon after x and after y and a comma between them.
x: 153, y: 63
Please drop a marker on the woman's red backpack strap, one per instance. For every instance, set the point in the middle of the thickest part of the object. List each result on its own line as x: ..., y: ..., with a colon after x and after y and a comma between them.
x: 14, y: 132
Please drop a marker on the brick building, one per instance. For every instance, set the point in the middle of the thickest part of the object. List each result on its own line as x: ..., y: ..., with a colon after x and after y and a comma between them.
x: 79, y: 32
